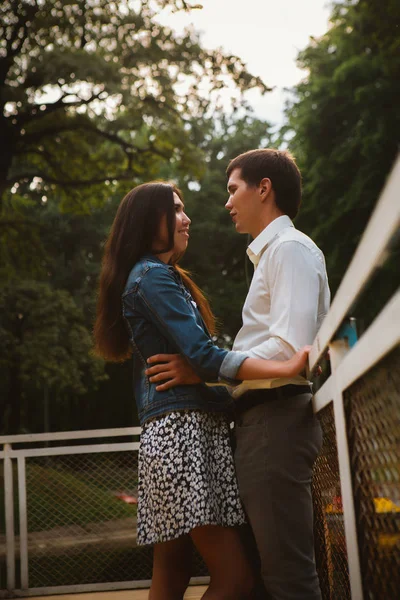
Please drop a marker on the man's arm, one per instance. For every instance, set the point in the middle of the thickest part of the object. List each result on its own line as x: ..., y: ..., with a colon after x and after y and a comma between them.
x: 251, y: 368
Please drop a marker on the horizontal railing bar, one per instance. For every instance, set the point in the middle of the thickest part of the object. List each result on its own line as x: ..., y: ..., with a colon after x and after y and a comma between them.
x: 69, y: 435
x: 380, y: 338
x: 324, y: 395
x: 81, y: 589
x: 95, y: 587
x: 66, y: 450
x: 370, y: 253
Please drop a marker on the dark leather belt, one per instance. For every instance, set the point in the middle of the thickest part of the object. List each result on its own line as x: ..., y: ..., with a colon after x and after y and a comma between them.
x: 255, y: 397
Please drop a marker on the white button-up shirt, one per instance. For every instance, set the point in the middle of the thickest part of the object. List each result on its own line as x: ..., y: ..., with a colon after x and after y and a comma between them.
x: 287, y: 301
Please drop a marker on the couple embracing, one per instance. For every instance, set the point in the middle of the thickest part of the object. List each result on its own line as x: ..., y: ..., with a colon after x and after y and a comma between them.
x: 192, y: 490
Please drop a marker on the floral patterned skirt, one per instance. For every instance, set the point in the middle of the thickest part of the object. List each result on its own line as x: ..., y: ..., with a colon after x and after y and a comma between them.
x: 186, y: 476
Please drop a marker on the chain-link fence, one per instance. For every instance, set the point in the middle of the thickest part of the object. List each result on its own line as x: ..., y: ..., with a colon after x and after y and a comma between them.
x: 373, y: 419
x: 330, y: 541
x: 82, y: 520
x: 372, y: 409
x: 81, y: 505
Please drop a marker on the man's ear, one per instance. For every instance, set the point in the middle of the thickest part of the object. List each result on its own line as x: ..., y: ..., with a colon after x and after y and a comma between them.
x: 265, y: 188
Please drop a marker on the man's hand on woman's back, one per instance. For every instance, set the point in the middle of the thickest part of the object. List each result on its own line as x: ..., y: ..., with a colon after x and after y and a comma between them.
x: 172, y: 369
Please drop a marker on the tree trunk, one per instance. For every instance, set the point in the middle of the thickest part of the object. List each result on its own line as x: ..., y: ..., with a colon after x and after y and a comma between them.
x: 13, y: 419
x: 7, y: 149
x: 14, y: 401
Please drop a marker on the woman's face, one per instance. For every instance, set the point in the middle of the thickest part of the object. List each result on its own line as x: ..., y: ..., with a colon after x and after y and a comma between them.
x: 182, y: 222
x: 181, y: 233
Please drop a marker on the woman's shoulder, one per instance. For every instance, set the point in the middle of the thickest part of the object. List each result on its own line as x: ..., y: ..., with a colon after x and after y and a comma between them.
x: 148, y: 269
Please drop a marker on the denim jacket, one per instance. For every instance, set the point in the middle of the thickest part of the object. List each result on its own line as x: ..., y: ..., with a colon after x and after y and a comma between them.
x: 162, y: 317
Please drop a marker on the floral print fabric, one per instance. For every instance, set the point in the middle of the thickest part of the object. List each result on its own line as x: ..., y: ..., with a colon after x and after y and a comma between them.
x: 186, y: 476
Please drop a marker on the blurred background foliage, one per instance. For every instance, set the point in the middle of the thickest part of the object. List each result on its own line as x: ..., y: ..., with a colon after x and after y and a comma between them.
x: 97, y: 97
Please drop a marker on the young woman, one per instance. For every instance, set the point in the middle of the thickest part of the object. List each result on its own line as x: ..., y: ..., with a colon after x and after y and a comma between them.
x: 187, y: 488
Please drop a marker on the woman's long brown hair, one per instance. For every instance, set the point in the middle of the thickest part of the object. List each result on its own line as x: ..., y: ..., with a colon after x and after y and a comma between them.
x: 133, y: 232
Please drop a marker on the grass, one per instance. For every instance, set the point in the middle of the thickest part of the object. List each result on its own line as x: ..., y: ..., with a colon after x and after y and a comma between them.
x: 58, y: 498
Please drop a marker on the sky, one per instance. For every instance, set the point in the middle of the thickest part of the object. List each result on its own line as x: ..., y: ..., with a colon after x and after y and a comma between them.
x: 266, y: 34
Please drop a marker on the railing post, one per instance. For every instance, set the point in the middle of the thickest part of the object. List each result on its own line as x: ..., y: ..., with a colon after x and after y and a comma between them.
x: 23, y: 523
x: 338, y: 348
x: 9, y: 514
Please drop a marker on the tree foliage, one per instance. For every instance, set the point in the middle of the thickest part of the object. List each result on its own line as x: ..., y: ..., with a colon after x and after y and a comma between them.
x: 89, y: 93
x: 346, y: 124
x: 45, y: 344
x: 37, y: 349
x: 95, y: 97
x: 216, y: 254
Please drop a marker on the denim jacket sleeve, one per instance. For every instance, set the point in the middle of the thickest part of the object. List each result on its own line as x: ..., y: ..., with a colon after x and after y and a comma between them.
x: 160, y: 299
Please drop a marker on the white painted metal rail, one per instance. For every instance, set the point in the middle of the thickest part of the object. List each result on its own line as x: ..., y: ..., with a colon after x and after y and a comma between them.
x: 17, y: 547
x: 349, y: 364
x: 20, y: 455
x: 372, y: 252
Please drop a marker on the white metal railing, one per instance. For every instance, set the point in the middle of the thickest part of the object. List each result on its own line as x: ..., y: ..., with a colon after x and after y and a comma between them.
x: 8, y: 455
x: 17, y: 546
x: 350, y: 363
x: 372, y: 252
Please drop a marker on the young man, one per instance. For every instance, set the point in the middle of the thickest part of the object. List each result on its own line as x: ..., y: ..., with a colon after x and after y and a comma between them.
x: 277, y: 435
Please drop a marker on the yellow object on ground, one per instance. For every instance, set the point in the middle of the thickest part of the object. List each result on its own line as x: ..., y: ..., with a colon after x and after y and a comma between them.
x: 382, y: 505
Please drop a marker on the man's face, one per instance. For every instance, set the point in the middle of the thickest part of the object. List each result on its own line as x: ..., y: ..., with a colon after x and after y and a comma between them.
x: 243, y: 204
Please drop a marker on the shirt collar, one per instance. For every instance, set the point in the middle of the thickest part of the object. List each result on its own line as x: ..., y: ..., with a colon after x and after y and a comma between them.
x: 259, y: 244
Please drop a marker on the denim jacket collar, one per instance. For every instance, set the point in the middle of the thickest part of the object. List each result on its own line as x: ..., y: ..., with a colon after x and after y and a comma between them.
x: 154, y: 258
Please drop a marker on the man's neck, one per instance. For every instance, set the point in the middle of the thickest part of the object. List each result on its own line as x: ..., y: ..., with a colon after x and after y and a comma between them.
x: 264, y: 221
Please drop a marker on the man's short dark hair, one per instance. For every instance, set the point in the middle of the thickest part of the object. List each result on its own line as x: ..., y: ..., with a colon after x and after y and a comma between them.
x: 280, y: 167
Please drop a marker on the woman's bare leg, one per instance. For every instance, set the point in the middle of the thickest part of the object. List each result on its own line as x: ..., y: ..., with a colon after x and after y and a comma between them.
x: 171, y: 569
x: 231, y: 577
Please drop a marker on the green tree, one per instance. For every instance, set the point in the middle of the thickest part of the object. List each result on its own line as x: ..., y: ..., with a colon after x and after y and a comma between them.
x: 216, y: 254
x: 45, y: 349
x: 88, y: 94
x: 345, y: 124
x: 91, y: 104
